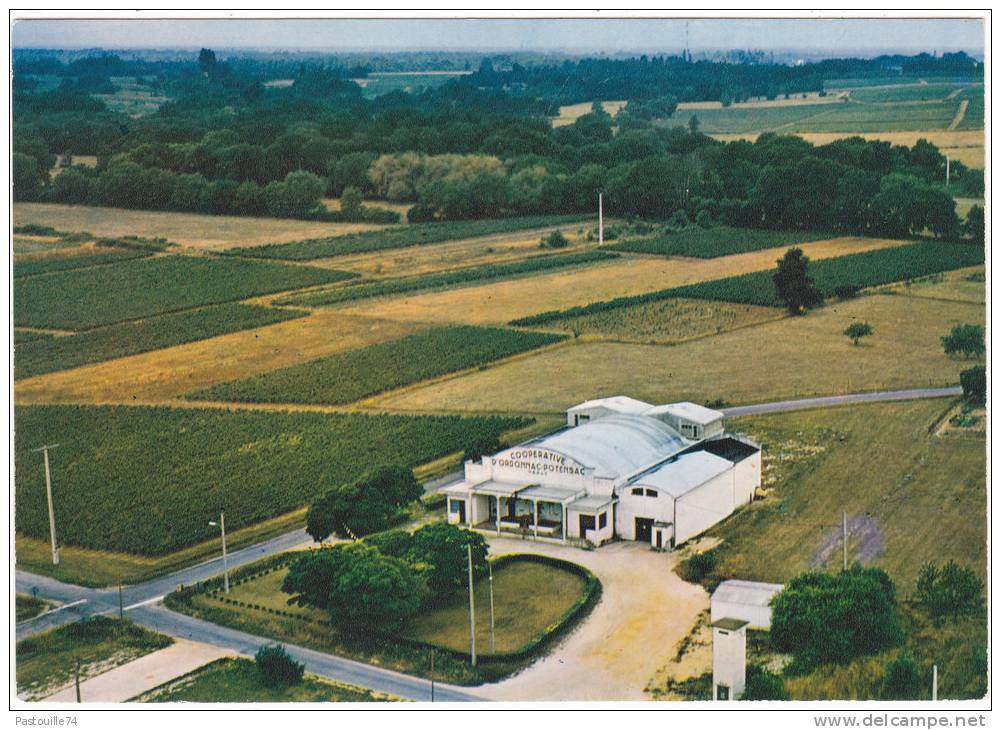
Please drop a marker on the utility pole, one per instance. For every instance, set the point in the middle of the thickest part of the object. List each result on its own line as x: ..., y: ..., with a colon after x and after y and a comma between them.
x: 934, y: 682
x: 225, y: 566
x: 601, y: 221
x: 121, y: 610
x: 947, y: 172
x: 472, y: 609
x: 844, y: 539
x: 48, y: 491
x: 432, y: 675
x: 76, y: 675
x: 493, y: 648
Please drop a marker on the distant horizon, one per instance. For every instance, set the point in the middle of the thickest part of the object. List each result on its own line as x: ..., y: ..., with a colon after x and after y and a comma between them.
x: 575, y: 36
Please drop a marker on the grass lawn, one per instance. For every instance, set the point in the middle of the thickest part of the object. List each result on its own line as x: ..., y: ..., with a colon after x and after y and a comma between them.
x: 529, y: 597
x: 129, y: 338
x: 786, y: 358
x: 911, y: 496
x: 207, y: 232
x: 350, y: 376
x: 46, y: 662
x: 28, y: 607
x: 964, y: 285
x: 714, y: 242
x: 238, y: 680
x: 138, y: 288
x: 258, y: 465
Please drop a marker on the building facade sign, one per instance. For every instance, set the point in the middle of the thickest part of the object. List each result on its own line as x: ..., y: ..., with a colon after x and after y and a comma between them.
x: 538, y: 462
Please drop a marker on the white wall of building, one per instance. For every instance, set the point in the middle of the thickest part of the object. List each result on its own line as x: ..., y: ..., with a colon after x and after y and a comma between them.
x: 746, y: 478
x: 729, y: 661
x: 658, y: 509
x: 757, y: 617
x: 704, y: 506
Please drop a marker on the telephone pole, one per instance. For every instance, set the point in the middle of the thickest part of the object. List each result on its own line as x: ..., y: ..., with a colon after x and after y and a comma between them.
x: 493, y: 648
x: 432, y: 675
x: 48, y: 492
x: 225, y: 567
x: 934, y: 682
x: 601, y: 220
x: 472, y: 609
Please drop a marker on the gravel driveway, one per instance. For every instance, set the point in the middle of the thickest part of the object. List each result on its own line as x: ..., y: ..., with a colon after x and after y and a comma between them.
x: 645, y: 610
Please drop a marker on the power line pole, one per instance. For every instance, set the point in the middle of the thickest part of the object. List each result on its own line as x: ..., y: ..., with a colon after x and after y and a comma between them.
x: 601, y: 221
x: 121, y: 610
x: 225, y: 566
x: 432, y: 675
x: 844, y: 539
x: 76, y: 675
x: 934, y: 682
x: 493, y: 648
x: 48, y: 492
x: 947, y: 172
x: 472, y: 609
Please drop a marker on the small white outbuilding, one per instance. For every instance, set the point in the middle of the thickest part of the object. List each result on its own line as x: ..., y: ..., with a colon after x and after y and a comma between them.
x: 745, y: 600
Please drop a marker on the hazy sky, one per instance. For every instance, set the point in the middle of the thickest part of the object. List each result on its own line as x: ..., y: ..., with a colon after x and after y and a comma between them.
x: 858, y: 36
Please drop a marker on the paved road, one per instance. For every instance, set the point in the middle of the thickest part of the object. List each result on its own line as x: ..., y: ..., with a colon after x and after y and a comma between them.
x: 840, y: 400
x: 141, y: 600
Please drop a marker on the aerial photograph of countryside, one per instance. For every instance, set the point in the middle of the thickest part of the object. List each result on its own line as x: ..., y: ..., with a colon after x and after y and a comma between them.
x: 499, y: 360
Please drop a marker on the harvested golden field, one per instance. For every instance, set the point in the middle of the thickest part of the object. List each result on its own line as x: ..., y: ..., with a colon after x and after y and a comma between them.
x: 30, y: 246
x: 572, y: 112
x: 165, y: 374
x: 500, y: 302
x: 667, y: 322
x: 492, y: 249
x: 963, y: 285
x: 207, y: 232
x: 965, y: 145
x: 789, y: 358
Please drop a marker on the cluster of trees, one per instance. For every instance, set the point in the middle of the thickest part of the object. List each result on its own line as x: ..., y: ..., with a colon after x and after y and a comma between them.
x: 966, y: 340
x: 375, y: 501
x: 477, y: 147
x: 378, y: 583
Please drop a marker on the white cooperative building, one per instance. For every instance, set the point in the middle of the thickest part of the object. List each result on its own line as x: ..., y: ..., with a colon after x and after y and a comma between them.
x: 620, y: 468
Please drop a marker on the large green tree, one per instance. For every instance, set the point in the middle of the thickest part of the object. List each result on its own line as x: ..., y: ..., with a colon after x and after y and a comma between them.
x: 442, y: 551
x: 824, y: 617
x: 369, y: 505
x: 792, y: 284
x: 964, y: 339
x: 357, y: 585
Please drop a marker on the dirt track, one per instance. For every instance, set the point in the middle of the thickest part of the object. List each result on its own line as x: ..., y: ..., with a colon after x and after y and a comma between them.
x: 645, y: 610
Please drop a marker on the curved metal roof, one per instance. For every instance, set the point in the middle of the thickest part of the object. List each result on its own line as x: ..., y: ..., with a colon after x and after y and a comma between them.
x: 617, y: 445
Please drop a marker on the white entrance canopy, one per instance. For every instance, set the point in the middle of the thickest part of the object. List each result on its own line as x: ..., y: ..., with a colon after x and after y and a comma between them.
x: 546, y: 493
x: 592, y: 504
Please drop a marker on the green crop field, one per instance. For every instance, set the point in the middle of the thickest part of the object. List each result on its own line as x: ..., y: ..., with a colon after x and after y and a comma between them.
x: 730, y: 120
x: 350, y: 376
x: 871, y: 268
x: 974, y: 117
x: 79, y: 300
x: 919, y: 92
x: 239, y: 680
x: 46, y: 355
x: 147, y: 480
x: 50, y: 264
x: 720, y: 241
x: 445, y: 279
x: 22, y: 336
x: 399, y: 237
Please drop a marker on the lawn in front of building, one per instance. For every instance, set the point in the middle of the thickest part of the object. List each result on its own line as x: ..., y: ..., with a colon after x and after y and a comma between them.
x: 530, y: 599
x: 238, y: 680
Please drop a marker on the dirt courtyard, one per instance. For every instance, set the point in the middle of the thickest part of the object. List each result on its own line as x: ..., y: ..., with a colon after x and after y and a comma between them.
x: 644, y: 611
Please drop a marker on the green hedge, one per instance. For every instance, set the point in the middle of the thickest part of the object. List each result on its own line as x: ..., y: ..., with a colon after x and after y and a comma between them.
x: 871, y: 268
x: 445, y: 279
x: 417, y: 234
x: 38, y: 356
x: 349, y: 376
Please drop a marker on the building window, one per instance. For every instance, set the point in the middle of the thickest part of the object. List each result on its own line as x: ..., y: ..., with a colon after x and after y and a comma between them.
x: 651, y: 492
x: 636, y: 491
x: 602, y: 520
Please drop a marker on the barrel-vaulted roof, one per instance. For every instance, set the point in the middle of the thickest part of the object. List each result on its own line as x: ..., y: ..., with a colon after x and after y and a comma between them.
x: 617, y: 445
